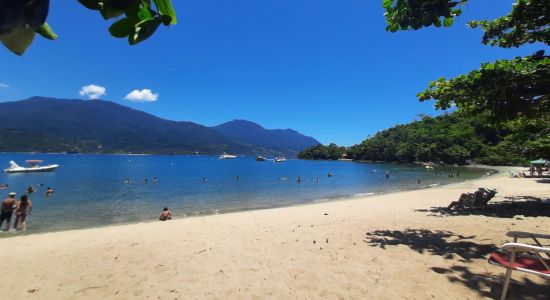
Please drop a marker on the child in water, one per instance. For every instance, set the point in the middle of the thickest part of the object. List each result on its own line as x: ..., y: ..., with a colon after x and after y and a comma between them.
x: 165, y: 215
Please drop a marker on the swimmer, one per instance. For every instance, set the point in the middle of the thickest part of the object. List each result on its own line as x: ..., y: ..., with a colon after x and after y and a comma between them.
x: 49, y: 191
x: 298, y: 179
x: 387, y: 175
x: 329, y: 174
x: 155, y: 179
x: 145, y: 180
x: 205, y: 179
x: 418, y: 181
x: 127, y: 180
x: 31, y: 189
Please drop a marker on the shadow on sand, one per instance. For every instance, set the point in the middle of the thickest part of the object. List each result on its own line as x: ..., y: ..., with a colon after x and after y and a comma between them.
x: 526, y: 206
x: 440, y: 242
x: 446, y: 243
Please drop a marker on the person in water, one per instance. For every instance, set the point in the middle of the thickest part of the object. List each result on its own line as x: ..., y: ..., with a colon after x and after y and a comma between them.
x: 298, y: 179
x: 387, y: 175
x: 6, y: 211
x: 155, y: 179
x: 31, y: 189
x: 24, y: 208
x: 49, y: 191
x: 329, y: 174
x: 165, y: 215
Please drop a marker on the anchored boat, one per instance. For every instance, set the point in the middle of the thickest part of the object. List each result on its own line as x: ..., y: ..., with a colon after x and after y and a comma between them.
x: 227, y: 156
x: 34, y: 166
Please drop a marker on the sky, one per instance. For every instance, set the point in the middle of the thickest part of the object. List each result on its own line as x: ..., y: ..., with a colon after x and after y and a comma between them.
x: 325, y: 68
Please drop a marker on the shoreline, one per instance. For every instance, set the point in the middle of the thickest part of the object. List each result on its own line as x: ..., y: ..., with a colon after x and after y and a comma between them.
x: 388, y: 246
x: 201, y: 214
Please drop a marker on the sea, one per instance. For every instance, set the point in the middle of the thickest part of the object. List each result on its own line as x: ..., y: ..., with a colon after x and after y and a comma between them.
x: 94, y: 191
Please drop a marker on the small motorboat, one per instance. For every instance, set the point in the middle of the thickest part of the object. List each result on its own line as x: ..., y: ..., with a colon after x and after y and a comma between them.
x: 34, y: 166
x: 227, y: 156
x: 280, y: 159
x: 260, y: 158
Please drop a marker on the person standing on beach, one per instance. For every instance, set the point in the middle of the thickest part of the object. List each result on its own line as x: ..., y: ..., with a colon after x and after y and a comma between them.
x: 23, y: 209
x: 8, y: 205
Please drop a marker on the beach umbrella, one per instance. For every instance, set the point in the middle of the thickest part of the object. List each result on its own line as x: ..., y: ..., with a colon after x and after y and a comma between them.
x: 540, y: 161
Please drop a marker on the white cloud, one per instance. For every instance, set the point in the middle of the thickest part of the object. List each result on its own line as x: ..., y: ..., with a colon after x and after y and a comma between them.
x: 145, y: 95
x: 4, y: 85
x: 92, y: 91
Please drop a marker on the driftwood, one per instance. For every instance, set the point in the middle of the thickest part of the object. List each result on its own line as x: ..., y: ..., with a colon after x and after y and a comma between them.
x: 477, y: 199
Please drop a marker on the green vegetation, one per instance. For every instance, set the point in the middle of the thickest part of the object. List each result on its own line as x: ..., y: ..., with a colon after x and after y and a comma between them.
x: 330, y: 152
x: 449, y: 139
x: 21, y: 20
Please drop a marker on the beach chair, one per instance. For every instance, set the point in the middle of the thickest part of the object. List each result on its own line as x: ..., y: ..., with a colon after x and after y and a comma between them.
x: 483, y: 196
x: 532, y: 259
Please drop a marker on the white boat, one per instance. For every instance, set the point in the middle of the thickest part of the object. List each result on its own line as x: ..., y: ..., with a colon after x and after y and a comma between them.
x: 227, y: 156
x: 279, y: 159
x: 34, y: 166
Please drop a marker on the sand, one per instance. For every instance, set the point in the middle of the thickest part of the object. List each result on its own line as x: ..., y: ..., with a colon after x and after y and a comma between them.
x: 387, y: 246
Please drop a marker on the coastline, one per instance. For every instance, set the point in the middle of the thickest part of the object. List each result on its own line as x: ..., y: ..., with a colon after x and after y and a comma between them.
x: 375, y: 246
x: 495, y: 171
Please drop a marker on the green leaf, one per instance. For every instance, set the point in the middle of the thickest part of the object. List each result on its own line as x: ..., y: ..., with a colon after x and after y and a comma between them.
x: 387, y: 3
x: 394, y: 27
x: 18, y: 40
x: 143, y: 30
x: 46, y: 31
x: 90, y: 4
x: 109, y: 12
x: 166, y: 11
x: 121, y: 28
x: 448, y: 22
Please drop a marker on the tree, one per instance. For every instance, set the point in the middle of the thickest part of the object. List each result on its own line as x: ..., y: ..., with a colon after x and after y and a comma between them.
x: 509, y: 89
x: 21, y: 20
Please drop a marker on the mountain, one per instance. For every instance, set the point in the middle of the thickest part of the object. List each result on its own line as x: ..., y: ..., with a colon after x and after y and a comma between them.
x: 56, y: 125
x: 280, y: 140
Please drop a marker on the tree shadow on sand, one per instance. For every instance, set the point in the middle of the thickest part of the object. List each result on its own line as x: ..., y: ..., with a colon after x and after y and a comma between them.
x: 448, y: 244
x: 440, y: 242
x: 490, y: 284
x: 527, y: 206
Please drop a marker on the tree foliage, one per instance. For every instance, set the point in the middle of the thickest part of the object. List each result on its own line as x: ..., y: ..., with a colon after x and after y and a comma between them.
x: 507, y: 88
x: 450, y: 139
x: 329, y: 152
x: 528, y: 22
x: 415, y: 14
x: 21, y: 20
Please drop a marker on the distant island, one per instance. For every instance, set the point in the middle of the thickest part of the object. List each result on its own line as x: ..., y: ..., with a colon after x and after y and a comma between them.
x: 447, y: 139
x: 41, y: 124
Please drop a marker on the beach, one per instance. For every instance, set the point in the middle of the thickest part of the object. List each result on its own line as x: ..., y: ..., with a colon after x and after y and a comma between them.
x: 388, y: 246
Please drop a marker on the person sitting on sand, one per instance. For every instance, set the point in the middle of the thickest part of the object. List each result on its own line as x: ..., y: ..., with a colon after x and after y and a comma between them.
x: 8, y: 205
x: 165, y: 215
x: 49, y: 191
x: 24, y: 208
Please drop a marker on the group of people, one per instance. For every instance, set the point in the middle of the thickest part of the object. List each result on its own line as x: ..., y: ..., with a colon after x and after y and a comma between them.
x: 21, y: 208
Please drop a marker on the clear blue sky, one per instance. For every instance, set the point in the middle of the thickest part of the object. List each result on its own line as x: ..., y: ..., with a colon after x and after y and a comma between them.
x: 325, y: 68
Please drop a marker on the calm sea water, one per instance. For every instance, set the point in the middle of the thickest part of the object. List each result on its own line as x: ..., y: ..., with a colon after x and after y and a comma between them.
x: 90, y: 190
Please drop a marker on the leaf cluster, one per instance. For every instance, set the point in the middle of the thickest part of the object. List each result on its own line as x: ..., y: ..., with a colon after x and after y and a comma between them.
x: 140, y: 18
x: 527, y: 23
x: 415, y: 14
x: 507, y: 88
x: 21, y: 20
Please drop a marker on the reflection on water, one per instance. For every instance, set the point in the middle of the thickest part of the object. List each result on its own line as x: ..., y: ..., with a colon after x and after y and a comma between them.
x: 90, y: 190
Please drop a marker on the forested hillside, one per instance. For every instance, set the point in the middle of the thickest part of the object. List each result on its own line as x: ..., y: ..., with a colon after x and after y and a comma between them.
x: 451, y: 139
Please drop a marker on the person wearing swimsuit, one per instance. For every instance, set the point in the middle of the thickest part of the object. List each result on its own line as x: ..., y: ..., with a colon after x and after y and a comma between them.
x: 23, y: 209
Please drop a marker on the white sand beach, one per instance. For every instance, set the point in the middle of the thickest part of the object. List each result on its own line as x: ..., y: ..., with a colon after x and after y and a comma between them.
x: 390, y: 246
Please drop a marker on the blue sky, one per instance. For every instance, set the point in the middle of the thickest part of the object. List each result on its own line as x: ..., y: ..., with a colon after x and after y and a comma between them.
x: 325, y: 68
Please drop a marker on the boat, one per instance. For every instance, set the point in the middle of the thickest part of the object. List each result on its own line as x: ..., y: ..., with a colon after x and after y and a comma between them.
x: 34, y: 166
x: 227, y: 156
x: 280, y: 159
x: 260, y: 158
